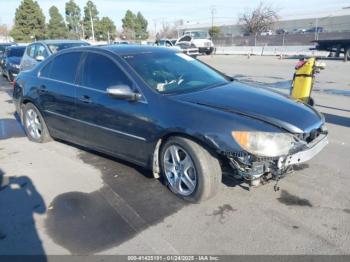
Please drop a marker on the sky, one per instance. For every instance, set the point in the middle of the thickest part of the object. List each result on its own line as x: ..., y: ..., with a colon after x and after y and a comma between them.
x: 191, y: 11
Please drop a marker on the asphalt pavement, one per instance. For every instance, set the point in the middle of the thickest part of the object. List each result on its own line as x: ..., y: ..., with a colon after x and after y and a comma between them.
x: 56, y: 198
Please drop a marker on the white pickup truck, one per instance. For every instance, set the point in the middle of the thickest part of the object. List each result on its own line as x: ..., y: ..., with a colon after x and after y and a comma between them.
x: 200, y: 39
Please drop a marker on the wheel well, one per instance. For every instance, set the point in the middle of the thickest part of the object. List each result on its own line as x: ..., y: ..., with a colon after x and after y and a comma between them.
x: 161, y: 141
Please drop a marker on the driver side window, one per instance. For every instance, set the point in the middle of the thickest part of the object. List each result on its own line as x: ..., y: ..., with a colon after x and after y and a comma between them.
x: 100, y: 72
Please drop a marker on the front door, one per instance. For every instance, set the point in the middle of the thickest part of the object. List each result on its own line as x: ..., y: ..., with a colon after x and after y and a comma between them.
x: 112, y: 125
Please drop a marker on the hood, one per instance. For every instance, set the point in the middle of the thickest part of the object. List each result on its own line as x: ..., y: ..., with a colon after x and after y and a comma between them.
x: 260, y: 104
x: 14, y: 60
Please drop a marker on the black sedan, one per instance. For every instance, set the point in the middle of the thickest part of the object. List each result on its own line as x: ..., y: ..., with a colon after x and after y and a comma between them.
x: 11, y: 61
x: 168, y: 112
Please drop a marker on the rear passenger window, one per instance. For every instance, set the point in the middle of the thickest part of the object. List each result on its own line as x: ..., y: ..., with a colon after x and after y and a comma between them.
x: 64, y: 67
x: 100, y: 72
x: 45, y: 72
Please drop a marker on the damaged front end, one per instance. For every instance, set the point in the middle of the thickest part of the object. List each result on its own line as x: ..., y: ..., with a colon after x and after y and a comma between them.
x: 256, y: 169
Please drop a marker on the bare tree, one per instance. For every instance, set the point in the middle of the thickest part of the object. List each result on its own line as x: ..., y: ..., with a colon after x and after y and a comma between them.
x: 170, y: 30
x: 4, y: 30
x: 261, y: 19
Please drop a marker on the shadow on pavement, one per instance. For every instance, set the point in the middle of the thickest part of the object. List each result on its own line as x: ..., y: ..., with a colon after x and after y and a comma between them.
x: 335, y: 108
x: 337, y: 120
x: 129, y: 202
x: 10, y: 128
x: 19, y: 200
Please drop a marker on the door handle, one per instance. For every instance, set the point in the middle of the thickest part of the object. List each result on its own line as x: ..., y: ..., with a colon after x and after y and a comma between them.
x: 85, y: 99
x: 42, y: 89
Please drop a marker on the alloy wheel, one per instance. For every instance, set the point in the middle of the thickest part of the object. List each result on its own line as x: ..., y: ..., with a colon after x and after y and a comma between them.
x: 180, y: 170
x: 33, y: 124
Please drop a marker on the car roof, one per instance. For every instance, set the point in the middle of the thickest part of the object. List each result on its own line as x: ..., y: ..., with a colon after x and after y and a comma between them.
x: 59, y: 41
x: 124, y: 49
x: 15, y: 47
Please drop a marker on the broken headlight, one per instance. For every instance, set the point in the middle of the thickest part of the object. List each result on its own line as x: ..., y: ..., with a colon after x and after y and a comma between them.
x: 267, y: 144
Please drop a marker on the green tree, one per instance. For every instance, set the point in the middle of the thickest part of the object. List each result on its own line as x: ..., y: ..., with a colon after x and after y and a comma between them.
x: 29, y: 22
x: 104, y: 28
x: 129, y: 24
x: 135, y: 26
x: 214, y: 32
x: 73, y: 17
x: 90, y: 13
x: 56, y: 27
x: 141, y: 27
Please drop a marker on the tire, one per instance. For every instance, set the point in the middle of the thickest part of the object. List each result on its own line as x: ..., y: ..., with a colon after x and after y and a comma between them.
x: 32, y: 114
x: 311, y: 101
x: 205, y: 174
x: 10, y: 76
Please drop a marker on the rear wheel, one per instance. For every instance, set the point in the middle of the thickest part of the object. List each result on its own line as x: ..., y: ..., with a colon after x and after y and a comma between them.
x: 10, y: 77
x: 189, y: 170
x: 34, y: 124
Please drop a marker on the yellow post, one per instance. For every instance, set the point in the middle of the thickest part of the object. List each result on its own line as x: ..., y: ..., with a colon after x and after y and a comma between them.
x: 303, y: 81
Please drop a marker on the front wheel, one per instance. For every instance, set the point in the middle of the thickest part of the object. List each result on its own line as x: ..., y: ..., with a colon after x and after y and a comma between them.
x: 34, y: 124
x: 189, y: 170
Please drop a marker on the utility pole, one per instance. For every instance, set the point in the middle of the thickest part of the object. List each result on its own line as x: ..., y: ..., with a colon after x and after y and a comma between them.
x: 83, y: 29
x: 316, y: 29
x: 92, y: 26
x: 108, y: 37
x: 212, y: 11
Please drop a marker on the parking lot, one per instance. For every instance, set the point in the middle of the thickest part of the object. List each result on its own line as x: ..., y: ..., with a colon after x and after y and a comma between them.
x: 56, y: 198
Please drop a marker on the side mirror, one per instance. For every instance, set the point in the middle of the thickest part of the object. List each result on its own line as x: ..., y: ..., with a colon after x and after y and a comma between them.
x: 123, y: 92
x: 39, y: 58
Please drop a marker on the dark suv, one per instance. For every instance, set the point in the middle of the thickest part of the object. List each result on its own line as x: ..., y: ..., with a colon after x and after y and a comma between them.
x: 11, y: 61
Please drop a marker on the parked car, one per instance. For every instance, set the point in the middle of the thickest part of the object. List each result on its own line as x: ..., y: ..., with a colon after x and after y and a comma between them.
x: 299, y: 31
x: 281, y: 31
x: 268, y: 32
x: 121, y: 43
x: 186, y: 47
x: 11, y: 61
x: 3, y: 47
x: 38, y: 51
x: 316, y: 29
x: 165, y: 111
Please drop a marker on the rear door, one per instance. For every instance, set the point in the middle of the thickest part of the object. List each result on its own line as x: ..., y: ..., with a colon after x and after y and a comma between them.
x: 112, y: 125
x: 28, y: 60
x: 57, y: 94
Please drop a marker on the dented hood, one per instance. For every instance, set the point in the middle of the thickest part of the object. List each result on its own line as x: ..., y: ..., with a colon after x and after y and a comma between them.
x: 260, y: 104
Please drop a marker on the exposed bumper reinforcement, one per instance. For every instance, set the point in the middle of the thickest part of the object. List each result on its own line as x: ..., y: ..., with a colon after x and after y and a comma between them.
x: 307, y: 154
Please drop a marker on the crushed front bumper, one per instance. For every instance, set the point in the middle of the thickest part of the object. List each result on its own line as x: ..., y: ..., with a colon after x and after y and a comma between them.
x: 311, y: 150
x: 257, y: 169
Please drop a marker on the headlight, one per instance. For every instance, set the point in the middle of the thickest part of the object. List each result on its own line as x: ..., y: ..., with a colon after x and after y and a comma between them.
x: 267, y: 144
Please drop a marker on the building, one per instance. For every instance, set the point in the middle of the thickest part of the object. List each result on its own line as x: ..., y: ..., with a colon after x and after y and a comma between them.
x: 336, y: 21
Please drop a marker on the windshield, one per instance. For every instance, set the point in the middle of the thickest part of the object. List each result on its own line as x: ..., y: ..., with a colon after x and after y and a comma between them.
x: 17, y: 52
x: 174, y: 72
x: 58, y: 47
x: 197, y: 34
